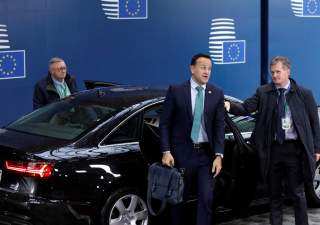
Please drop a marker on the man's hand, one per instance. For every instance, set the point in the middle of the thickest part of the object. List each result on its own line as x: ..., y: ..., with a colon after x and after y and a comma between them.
x: 217, y: 166
x: 167, y: 159
x: 317, y: 156
x: 227, y: 105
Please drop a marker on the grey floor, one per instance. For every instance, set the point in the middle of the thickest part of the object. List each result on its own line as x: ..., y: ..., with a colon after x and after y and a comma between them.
x: 288, y: 219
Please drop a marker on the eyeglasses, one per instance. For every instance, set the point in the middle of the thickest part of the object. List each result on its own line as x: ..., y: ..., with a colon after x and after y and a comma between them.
x: 61, y: 68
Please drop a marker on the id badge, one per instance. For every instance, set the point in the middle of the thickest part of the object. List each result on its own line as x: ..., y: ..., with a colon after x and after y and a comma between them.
x: 286, y: 123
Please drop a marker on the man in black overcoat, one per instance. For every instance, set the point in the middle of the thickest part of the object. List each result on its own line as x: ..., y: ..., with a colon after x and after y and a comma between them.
x: 286, y: 137
x: 57, y: 85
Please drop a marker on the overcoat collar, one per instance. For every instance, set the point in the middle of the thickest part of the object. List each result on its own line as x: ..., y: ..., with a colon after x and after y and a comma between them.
x: 293, y: 86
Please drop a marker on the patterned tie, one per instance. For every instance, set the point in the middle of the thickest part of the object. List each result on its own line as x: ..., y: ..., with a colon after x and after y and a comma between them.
x: 62, y: 89
x: 280, y: 135
x: 198, y: 111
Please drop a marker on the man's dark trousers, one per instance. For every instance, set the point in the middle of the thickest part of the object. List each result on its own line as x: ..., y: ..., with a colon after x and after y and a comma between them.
x: 198, y: 169
x: 286, y: 165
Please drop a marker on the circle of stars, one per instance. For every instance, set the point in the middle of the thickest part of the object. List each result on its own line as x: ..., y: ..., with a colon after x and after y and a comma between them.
x: 233, y: 52
x: 137, y: 9
x: 5, y: 58
x: 312, y: 6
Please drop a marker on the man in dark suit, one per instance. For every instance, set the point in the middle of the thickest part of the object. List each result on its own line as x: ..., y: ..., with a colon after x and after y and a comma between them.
x: 56, y: 85
x: 192, y: 136
x: 286, y: 137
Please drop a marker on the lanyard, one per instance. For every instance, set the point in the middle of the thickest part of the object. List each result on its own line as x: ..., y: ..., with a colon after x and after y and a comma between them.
x: 286, y: 106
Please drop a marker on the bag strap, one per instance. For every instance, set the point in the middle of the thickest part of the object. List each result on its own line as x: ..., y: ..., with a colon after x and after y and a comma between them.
x: 149, y: 199
x: 162, y: 207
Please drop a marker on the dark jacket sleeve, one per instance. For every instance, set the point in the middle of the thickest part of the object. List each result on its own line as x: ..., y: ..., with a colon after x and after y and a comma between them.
x: 250, y: 105
x: 218, y: 126
x: 38, y: 97
x: 312, y: 110
x: 72, y: 84
x: 166, y: 120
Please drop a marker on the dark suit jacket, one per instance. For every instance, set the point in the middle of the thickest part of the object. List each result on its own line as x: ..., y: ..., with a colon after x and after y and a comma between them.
x: 305, y: 117
x: 45, y: 92
x: 176, y: 121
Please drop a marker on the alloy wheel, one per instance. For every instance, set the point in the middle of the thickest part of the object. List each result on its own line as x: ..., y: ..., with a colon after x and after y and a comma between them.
x: 316, y: 181
x: 129, y: 210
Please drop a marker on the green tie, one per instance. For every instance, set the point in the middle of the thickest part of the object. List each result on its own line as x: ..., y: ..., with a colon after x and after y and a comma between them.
x: 63, y: 90
x: 198, y: 110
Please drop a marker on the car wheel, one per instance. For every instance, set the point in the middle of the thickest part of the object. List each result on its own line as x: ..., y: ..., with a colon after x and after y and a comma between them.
x: 125, y: 207
x: 313, y: 189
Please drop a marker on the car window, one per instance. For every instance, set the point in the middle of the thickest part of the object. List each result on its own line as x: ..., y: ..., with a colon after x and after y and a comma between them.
x: 64, y: 120
x: 126, y: 132
x: 150, y: 140
x: 152, y: 116
x: 245, y: 124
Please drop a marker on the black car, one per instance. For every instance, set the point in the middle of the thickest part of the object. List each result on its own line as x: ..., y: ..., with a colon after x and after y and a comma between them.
x: 84, y: 160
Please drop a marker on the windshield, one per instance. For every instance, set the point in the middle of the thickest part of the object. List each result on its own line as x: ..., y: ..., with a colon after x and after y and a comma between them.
x: 66, y: 119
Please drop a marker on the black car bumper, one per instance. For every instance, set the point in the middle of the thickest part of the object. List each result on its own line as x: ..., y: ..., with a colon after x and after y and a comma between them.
x: 25, y: 210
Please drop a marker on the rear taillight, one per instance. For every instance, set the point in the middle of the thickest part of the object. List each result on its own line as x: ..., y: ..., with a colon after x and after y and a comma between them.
x: 33, y: 169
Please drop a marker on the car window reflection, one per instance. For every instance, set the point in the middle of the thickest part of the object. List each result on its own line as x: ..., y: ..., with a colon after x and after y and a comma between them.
x: 245, y: 125
x: 63, y: 120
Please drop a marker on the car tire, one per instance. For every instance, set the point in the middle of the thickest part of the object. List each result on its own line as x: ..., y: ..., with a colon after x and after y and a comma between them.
x: 125, y: 207
x: 312, y: 189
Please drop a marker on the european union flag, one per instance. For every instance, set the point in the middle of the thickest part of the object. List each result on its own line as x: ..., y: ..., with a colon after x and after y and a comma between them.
x: 234, y: 51
x: 311, y: 8
x: 12, y: 64
x: 133, y: 9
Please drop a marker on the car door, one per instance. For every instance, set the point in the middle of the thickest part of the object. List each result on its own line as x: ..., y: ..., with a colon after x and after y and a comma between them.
x: 238, y: 180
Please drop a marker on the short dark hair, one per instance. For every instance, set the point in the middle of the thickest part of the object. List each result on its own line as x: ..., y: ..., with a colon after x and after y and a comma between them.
x: 197, y: 56
x: 282, y: 59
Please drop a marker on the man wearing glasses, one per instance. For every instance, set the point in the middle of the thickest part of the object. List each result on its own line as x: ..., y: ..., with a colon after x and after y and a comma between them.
x: 57, y: 85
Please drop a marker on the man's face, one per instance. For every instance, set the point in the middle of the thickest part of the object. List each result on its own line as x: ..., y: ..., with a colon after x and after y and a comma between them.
x: 201, y: 70
x: 280, y: 74
x: 58, y: 70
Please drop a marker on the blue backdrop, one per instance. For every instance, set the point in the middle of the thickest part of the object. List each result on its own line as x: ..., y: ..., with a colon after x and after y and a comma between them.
x: 297, y: 36
x: 149, y: 42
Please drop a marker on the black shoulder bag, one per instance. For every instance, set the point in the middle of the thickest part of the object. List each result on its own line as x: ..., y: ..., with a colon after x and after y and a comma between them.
x: 165, y: 184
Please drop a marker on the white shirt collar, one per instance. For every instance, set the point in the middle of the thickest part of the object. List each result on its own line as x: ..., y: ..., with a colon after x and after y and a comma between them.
x: 195, y: 84
x: 285, y: 87
x: 56, y: 82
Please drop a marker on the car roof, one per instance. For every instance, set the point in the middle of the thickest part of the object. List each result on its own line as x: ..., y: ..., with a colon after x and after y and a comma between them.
x: 124, y: 95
